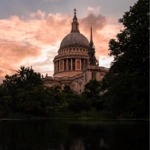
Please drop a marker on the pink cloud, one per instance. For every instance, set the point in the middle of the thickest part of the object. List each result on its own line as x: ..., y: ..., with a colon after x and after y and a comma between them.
x: 104, y: 29
x: 53, y: 28
x: 35, y: 41
x: 12, y: 53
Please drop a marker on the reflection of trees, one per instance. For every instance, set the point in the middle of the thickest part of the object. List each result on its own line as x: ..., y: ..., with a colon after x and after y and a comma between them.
x: 77, y: 145
x: 59, y: 135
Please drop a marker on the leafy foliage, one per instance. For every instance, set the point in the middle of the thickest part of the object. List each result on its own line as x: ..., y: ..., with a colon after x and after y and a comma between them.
x: 92, y: 94
x: 23, y: 81
x: 126, y: 85
x: 25, y: 78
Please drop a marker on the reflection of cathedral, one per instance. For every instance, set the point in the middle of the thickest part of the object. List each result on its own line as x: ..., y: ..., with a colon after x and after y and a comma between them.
x: 75, y: 65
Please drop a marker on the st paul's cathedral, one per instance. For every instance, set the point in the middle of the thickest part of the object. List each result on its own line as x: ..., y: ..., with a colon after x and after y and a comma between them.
x: 75, y: 64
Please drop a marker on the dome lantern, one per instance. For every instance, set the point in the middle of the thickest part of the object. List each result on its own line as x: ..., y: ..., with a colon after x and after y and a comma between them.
x: 75, y: 37
x: 75, y: 24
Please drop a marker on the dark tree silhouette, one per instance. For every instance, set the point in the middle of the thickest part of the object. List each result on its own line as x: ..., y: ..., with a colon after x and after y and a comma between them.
x: 126, y: 85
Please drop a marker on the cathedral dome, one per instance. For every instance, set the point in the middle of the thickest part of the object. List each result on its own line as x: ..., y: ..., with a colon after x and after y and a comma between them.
x: 74, y: 38
x: 73, y: 53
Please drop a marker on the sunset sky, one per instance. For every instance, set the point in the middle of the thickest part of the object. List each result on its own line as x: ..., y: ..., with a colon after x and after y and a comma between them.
x: 31, y: 30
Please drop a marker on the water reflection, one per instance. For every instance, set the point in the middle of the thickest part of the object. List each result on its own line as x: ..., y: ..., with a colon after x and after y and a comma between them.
x: 68, y: 135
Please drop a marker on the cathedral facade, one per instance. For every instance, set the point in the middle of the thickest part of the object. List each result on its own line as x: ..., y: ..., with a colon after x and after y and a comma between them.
x: 75, y: 64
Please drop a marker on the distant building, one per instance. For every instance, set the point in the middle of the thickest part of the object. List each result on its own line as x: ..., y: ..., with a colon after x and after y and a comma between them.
x: 75, y: 64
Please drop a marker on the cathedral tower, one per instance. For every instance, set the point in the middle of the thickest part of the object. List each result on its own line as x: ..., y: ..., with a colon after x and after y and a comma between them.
x: 92, y: 58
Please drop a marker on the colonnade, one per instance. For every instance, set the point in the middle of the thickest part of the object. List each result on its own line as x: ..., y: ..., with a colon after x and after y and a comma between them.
x: 68, y: 64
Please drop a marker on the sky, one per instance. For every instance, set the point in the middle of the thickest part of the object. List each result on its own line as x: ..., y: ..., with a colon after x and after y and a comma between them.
x: 31, y: 30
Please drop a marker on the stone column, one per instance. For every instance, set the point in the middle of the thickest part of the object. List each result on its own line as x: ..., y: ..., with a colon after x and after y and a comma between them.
x: 67, y: 64
x: 58, y: 65
x: 71, y: 63
x: 80, y: 63
x: 75, y: 63
x: 62, y: 65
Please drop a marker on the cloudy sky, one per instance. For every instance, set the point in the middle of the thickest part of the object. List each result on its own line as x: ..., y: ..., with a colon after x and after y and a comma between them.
x: 31, y: 30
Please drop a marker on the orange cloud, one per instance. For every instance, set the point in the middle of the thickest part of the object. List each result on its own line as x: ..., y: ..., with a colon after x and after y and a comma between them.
x: 12, y: 53
x: 36, y: 40
x: 53, y: 28
x: 104, y: 29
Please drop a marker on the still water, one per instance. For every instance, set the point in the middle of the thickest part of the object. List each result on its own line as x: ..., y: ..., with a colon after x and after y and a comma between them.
x: 72, y: 135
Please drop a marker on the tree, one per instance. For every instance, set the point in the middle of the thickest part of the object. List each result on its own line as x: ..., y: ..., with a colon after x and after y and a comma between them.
x: 27, y: 78
x: 92, y: 89
x: 126, y: 85
x: 24, y: 79
x: 4, y: 102
x: 92, y: 92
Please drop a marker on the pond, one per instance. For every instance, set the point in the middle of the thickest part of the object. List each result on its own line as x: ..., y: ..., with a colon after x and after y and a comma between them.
x: 57, y: 134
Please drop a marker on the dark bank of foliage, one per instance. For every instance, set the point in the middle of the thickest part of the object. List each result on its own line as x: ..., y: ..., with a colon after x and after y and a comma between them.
x: 126, y: 86
x: 24, y: 92
x: 123, y: 93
